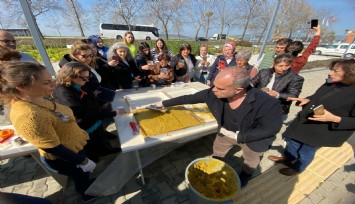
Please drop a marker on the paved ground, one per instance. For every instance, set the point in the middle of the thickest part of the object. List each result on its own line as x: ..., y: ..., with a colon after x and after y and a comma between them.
x: 165, y: 177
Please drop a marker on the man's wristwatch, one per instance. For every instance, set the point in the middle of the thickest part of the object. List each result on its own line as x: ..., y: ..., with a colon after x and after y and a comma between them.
x: 86, y: 160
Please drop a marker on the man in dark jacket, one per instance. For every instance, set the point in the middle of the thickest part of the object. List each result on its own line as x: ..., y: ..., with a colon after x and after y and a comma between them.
x: 246, y: 117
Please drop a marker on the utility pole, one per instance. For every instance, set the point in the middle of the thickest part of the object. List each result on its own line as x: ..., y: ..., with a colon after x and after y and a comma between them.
x: 269, y: 29
x: 36, y: 36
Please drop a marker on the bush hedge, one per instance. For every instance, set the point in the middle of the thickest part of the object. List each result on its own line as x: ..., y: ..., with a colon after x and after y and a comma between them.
x: 57, y: 47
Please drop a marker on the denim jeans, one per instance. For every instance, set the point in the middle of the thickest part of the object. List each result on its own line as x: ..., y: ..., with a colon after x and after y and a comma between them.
x: 299, y: 154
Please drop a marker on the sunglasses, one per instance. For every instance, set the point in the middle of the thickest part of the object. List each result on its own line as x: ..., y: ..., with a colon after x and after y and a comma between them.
x: 86, y: 41
x: 8, y: 41
x: 84, y: 78
x: 87, y: 56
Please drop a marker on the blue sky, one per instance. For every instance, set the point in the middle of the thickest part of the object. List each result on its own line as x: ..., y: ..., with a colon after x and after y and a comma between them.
x: 344, y: 10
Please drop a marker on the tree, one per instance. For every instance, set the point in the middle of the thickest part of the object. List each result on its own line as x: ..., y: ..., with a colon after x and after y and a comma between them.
x: 226, y: 14
x: 259, y: 23
x: 127, y: 10
x: 98, y: 14
x: 73, y: 12
x: 164, y: 12
x: 38, y: 8
x: 208, y: 15
x: 55, y: 24
x: 293, y: 16
x: 195, y: 15
x: 178, y: 27
x: 247, y: 10
x: 328, y: 37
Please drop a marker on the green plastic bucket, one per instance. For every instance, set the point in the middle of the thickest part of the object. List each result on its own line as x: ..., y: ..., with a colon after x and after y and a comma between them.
x: 197, y: 197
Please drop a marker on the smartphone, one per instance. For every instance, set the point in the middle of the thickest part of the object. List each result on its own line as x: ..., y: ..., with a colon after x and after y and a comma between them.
x: 314, y: 23
x: 164, y: 70
x: 319, y: 110
x: 117, y: 58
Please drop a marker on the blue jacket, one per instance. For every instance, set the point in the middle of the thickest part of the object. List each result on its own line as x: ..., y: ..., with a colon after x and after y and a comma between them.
x: 102, y: 50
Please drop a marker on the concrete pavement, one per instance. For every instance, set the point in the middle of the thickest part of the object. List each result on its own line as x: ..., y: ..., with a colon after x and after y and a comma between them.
x: 165, y: 177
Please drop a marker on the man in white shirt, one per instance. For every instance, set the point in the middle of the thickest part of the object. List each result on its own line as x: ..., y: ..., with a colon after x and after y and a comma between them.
x: 204, y: 63
x: 8, y: 40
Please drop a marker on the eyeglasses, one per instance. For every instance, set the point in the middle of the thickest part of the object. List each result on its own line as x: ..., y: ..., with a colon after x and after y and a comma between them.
x: 87, y: 56
x: 84, y: 78
x: 8, y: 41
x: 86, y: 41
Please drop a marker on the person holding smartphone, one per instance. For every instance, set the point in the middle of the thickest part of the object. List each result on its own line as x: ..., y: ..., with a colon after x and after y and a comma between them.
x: 203, y: 65
x: 227, y: 59
x: 162, y: 73
x: 184, y: 64
x: 296, y: 47
x: 311, y: 129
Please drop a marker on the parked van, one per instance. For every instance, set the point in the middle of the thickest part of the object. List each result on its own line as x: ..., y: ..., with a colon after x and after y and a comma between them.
x: 336, y: 50
x: 218, y: 37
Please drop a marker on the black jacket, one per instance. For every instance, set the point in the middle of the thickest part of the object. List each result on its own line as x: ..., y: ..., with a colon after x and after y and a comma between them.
x: 93, y: 83
x: 261, y: 119
x: 214, y: 68
x: 288, y: 84
x: 85, y: 107
x: 120, y: 76
x: 141, y: 61
x: 338, y: 99
x: 182, y: 71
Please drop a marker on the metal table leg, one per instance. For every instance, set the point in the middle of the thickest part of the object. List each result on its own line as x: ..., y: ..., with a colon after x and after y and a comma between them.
x: 140, y: 167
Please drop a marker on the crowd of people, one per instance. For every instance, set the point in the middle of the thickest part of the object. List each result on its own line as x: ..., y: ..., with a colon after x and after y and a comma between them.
x: 64, y: 117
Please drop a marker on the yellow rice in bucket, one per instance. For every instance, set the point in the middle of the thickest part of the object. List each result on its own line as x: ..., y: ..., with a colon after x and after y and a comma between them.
x: 213, y: 179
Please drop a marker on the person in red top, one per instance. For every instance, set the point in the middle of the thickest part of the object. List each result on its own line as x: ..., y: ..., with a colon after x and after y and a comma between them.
x: 295, y: 47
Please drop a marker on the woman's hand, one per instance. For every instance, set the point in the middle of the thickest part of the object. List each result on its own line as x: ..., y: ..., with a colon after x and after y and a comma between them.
x: 120, y: 111
x: 138, y: 78
x: 146, y: 67
x: 113, y: 63
x: 180, y: 65
x: 327, y: 117
x: 96, y: 92
x: 317, y: 30
x: 208, y: 83
x: 299, y: 101
x: 273, y: 93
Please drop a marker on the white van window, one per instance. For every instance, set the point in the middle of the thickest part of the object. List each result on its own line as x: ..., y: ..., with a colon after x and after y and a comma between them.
x: 344, y: 46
